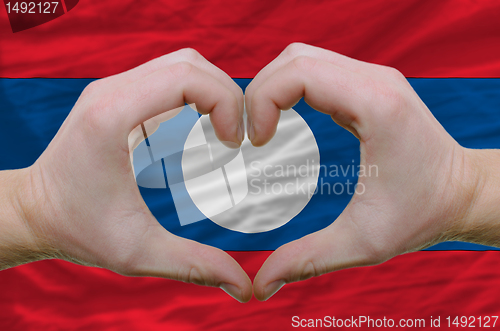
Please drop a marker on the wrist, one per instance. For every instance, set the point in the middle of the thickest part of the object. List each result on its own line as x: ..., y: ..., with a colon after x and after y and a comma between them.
x: 480, y: 222
x: 19, y: 243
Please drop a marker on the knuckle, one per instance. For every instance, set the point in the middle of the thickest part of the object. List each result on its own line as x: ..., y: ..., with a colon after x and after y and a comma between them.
x: 194, y: 271
x: 391, y: 101
x: 311, y: 269
x: 295, y: 49
x: 393, y: 73
x: 98, y: 113
x: 396, y: 74
x: 181, y: 69
x: 92, y: 88
x: 189, y: 54
x: 392, y: 98
x: 304, y: 63
x: 194, y: 276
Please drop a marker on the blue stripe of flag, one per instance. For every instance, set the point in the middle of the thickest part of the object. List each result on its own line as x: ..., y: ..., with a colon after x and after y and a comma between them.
x: 32, y: 110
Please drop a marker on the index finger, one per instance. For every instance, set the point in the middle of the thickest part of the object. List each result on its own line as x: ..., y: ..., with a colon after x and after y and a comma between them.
x: 117, y: 114
x: 341, y: 93
x: 295, y: 50
x: 183, y: 55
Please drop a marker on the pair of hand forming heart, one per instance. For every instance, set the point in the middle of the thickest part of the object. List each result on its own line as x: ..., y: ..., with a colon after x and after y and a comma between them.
x: 80, y: 201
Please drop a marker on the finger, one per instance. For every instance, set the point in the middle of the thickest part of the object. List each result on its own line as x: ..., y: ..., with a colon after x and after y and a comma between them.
x: 163, y: 254
x: 167, y: 89
x: 146, y: 129
x: 184, y: 55
x: 295, y: 50
x: 326, y: 87
x: 333, y: 248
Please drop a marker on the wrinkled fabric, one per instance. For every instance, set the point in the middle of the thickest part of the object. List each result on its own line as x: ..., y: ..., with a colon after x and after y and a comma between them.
x: 454, y: 38
x: 97, y: 39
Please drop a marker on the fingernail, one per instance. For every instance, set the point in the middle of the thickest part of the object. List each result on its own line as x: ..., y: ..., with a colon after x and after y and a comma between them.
x: 250, y: 129
x: 241, y: 131
x: 232, y: 290
x: 272, y: 288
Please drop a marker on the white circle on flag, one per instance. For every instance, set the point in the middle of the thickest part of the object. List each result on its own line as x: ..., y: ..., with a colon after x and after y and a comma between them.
x: 253, y: 189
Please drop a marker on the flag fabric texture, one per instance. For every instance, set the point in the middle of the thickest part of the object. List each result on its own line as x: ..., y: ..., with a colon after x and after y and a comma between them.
x: 448, y: 50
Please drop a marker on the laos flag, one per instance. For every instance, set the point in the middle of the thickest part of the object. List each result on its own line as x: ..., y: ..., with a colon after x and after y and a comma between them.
x: 249, y: 201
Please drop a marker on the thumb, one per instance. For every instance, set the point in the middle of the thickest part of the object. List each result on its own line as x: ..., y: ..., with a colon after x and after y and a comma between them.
x: 333, y: 248
x: 165, y: 255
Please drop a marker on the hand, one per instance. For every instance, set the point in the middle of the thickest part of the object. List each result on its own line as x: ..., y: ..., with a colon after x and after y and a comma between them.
x: 80, y: 201
x: 426, y: 183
